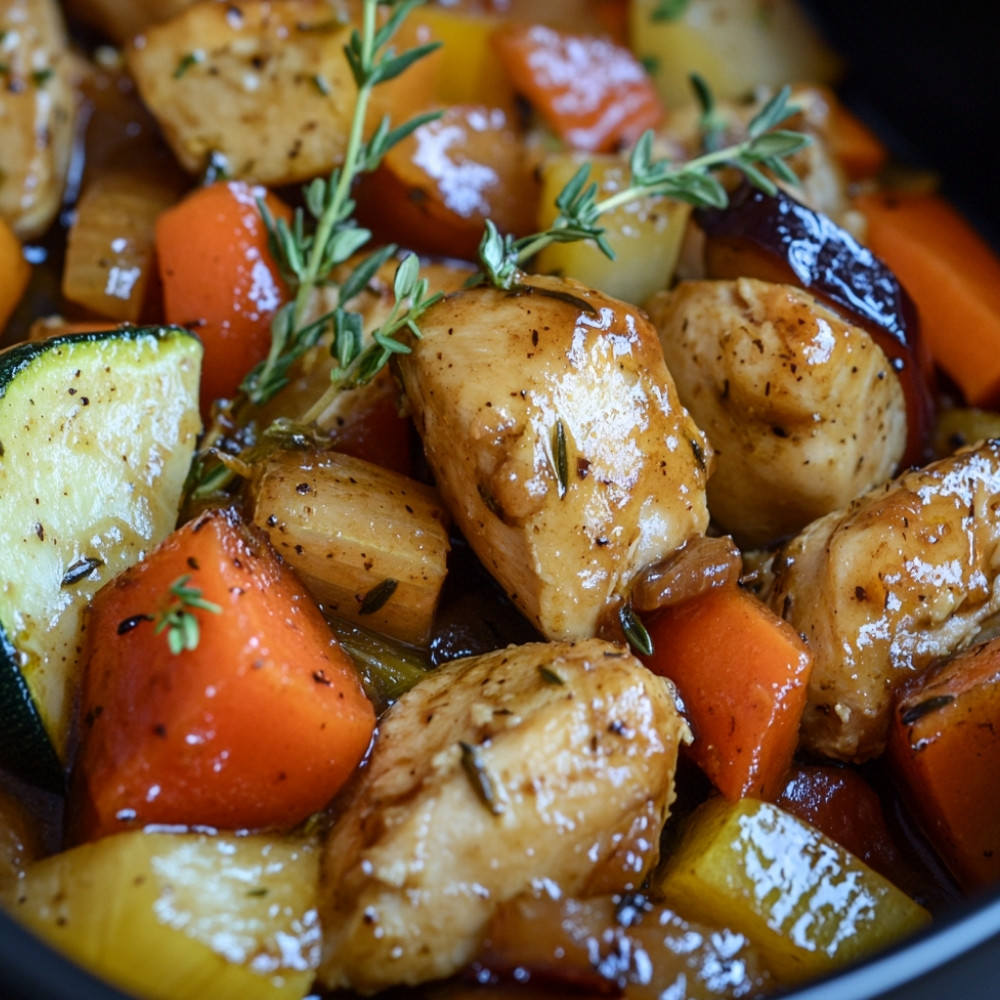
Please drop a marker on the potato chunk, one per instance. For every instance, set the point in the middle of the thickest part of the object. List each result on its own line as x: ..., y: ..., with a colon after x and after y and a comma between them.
x: 540, y: 764
x: 171, y: 916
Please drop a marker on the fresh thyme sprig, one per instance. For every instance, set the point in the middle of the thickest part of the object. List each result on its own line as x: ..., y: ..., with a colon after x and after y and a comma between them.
x: 176, y: 618
x: 325, y: 233
x: 579, y: 210
x: 321, y: 236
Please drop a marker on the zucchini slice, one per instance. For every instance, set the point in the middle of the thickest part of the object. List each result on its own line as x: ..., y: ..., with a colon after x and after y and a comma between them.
x: 97, y: 432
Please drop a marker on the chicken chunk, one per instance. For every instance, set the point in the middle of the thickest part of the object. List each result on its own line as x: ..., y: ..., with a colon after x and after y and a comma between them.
x: 537, y: 766
x: 906, y: 574
x: 37, y: 113
x: 261, y: 83
x: 558, y: 442
x: 121, y: 20
x: 803, y: 409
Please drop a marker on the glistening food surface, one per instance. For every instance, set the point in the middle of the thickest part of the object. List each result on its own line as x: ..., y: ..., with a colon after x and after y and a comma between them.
x: 544, y: 541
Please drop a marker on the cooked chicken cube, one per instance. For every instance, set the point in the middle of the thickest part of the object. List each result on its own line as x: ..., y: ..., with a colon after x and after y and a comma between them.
x: 37, y: 114
x: 803, y: 409
x: 261, y: 83
x: 120, y: 20
x: 904, y: 575
x: 558, y: 443
x: 544, y: 765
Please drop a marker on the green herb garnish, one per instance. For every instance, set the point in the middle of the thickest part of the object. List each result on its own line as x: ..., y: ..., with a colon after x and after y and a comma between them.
x: 560, y: 456
x: 765, y: 147
x: 325, y: 234
x: 635, y: 632
x: 177, y: 619
x: 322, y: 236
x: 669, y: 10
x: 188, y: 60
x: 482, y: 783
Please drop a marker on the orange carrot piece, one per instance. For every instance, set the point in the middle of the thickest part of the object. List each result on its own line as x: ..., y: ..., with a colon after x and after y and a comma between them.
x: 741, y: 672
x: 257, y: 726
x: 15, y: 271
x: 594, y: 94
x: 219, y: 278
x: 954, y: 278
x: 943, y: 747
x: 855, y: 146
x: 434, y: 190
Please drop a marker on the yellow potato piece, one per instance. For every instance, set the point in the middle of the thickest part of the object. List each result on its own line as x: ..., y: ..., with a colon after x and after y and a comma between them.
x: 177, y: 915
x: 805, y: 901
x: 734, y: 45
x: 645, y: 234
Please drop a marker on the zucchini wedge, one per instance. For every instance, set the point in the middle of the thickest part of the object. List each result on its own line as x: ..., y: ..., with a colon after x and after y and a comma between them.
x: 97, y: 432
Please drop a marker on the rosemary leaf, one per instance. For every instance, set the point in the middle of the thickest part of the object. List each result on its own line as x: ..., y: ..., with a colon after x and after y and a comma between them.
x: 635, y: 632
x: 482, y: 782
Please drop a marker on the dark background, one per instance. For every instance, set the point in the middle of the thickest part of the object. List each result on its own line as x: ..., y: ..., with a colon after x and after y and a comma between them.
x: 927, y: 75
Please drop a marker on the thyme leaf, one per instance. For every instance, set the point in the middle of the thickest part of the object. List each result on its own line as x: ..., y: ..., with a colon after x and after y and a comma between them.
x: 668, y: 10
x: 766, y: 147
x: 176, y: 617
x: 560, y: 455
x: 376, y: 598
x: 635, y: 632
x: 479, y: 776
x: 321, y: 236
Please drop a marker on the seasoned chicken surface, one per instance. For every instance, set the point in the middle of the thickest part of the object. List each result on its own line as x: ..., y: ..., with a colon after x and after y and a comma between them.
x: 545, y: 766
x: 558, y: 443
x: 803, y: 410
x: 261, y: 83
x: 904, y: 575
x: 120, y: 20
x: 37, y: 114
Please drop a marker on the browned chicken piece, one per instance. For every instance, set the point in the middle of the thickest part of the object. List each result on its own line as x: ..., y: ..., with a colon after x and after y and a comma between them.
x: 544, y: 766
x: 558, y: 443
x: 803, y: 410
x: 120, y: 20
x: 902, y: 576
x: 263, y: 84
x: 37, y: 114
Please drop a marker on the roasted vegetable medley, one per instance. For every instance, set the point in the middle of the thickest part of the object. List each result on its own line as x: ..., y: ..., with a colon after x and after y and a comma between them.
x: 496, y: 497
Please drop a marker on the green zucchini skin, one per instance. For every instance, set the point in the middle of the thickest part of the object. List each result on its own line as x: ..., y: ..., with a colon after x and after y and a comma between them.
x: 97, y: 432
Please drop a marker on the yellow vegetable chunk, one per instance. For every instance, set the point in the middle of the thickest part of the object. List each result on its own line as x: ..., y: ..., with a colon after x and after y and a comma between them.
x: 734, y: 45
x: 177, y: 915
x: 466, y: 69
x: 645, y: 234
x: 805, y: 901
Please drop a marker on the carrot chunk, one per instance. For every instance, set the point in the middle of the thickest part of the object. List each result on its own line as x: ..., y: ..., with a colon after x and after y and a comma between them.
x: 954, y: 278
x: 255, y: 724
x: 16, y: 272
x: 594, y: 94
x: 855, y: 146
x: 434, y: 191
x: 943, y: 747
x: 741, y: 672
x: 220, y: 280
